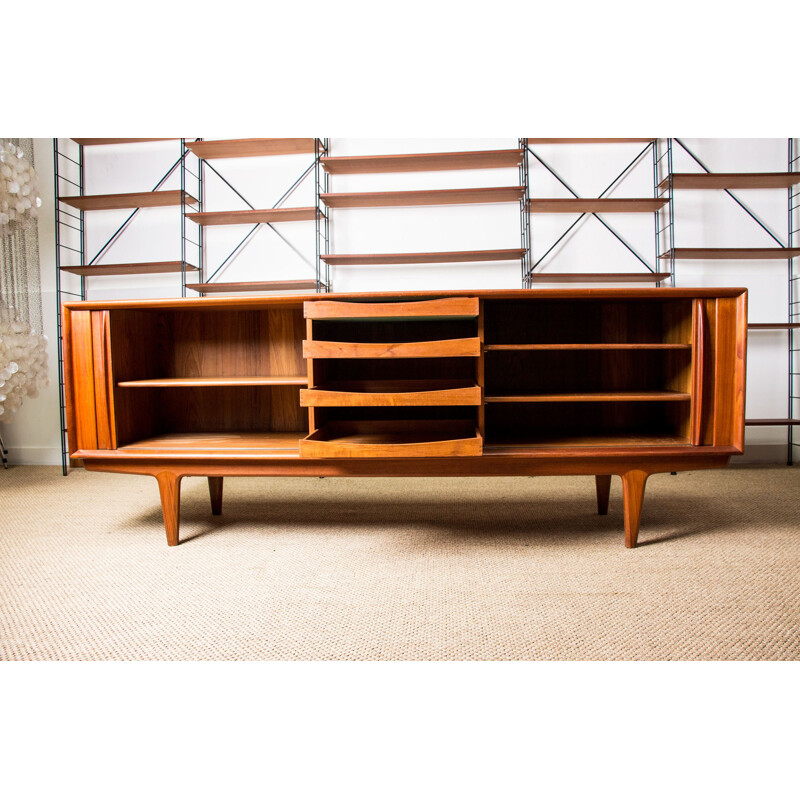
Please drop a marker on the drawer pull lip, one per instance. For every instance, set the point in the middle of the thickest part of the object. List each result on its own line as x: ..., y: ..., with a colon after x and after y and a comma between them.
x: 393, y: 439
x: 443, y: 308
x: 441, y: 348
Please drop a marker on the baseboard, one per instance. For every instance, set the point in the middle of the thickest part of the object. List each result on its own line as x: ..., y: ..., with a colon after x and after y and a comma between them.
x: 34, y: 456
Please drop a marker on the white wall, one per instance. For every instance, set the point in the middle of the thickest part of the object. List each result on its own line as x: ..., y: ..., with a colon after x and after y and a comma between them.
x: 702, y: 219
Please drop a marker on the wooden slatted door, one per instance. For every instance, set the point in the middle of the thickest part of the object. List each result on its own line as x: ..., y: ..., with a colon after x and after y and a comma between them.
x: 89, y: 400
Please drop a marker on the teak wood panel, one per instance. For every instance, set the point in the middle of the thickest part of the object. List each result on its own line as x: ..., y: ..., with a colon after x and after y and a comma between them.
x: 104, y: 202
x: 391, y: 393
x: 248, y: 148
x: 91, y: 142
x: 90, y: 408
x: 142, y: 268
x: 430, y: 309
x: 599, y: 277
x: 732, y: 180
x: 731, y: 253
x: 252, y: 216
x: 252, y: 286
x: 422, y: 162
x: 621, y: 205
x: 393, y: 439
x: 444, y: 348
x: 451, y: 257
x: 428, y: 197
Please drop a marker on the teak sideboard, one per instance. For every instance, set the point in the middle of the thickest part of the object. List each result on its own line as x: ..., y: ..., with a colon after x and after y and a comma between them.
x: 596, y: 382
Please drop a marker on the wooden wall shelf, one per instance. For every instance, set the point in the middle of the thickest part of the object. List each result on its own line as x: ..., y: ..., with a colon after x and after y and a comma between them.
x: 773, y: 326
x: 589, y: 346
x: 104, y: 202
x: 732, y: 180
x: 428, y: 197
x: 248, y: 148
x: 605, y: 205
x: 252, y: 380
x: 142, y: 268
x: 253, y: 286
x: 422, y: 162
x: 591, y: 397
x: 454, y: 257
x: 731, y: 253
x: 585, y: 141
x: 92, y: 142
x: 252, y: 216
x: 425, y: 384
x: 599, y: 277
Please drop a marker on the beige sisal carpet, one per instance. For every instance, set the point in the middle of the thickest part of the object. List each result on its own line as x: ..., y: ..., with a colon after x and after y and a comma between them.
x: 379, y: 568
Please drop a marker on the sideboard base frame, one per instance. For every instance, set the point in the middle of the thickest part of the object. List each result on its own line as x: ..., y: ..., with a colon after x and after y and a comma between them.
x: 634, y: 473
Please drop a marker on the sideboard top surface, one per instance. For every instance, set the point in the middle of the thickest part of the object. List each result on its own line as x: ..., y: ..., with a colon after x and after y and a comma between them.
x: 485, y: 294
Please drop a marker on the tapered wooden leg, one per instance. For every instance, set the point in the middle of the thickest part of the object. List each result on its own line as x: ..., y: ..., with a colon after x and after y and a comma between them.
x: 632, y: 495
x: 602, y: 484
x: 169, y: 484
x: 215, y: 490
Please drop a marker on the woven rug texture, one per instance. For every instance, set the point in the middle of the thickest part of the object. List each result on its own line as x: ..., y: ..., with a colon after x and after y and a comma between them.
x: 400, y: 569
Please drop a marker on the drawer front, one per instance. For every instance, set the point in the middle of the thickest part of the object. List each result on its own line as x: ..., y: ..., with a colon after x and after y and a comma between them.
x: 320, y: 397
x: 452, y: 307
x: 384, y: 439
x: 443, y: 348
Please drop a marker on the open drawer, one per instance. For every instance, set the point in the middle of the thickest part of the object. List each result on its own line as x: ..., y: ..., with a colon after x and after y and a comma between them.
x: 393, y: 439
x: 393, y: 393
x: 441, y: 348
x: 446, y: 308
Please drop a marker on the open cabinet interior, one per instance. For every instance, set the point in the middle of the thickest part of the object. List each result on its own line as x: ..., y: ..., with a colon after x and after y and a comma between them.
x: 588, y: 372
x: 208, y: 377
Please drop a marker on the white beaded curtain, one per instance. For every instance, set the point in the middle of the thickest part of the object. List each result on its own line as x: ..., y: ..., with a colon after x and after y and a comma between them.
x: 23, y: 354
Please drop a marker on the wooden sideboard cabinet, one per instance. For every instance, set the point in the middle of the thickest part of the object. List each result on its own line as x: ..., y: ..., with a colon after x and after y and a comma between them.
x: 596, y: 382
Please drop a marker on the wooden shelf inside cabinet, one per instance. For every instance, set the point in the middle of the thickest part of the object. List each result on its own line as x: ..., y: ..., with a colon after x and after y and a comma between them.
x: 422, y: 162
x: 443, y: 308
x: 772, y: 326
x: 626, y: 205
x: 592, y: 397
x: 443, y: 348
x: 525, y: 443
x: 253, y: 286
x: 252, y: 380
x: 454, y: 257
x: 599, y: 277
x: 142, y: 268
x: 392, y: 393
x: 772, y: 422
x: 590, y: 346
x: 252, y: 216
x: 248, y: 148
x: 92, y: 142
x: 732, y: 180
x: 428, y: 197
x: 286, y: 443
x: 732, y: 253
x: 585, y: 141
x: 104, y: 202
x: 393, y: 439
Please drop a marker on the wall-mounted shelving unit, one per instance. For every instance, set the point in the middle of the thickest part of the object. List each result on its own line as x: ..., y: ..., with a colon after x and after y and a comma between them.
x: 594, y: 206
x: 257, y: 218
x: 427, y: 162
x: 669, y: 181
x: 73, y: 205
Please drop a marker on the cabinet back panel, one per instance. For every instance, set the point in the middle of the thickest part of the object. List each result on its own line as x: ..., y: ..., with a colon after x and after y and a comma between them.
x: 587, y: 321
